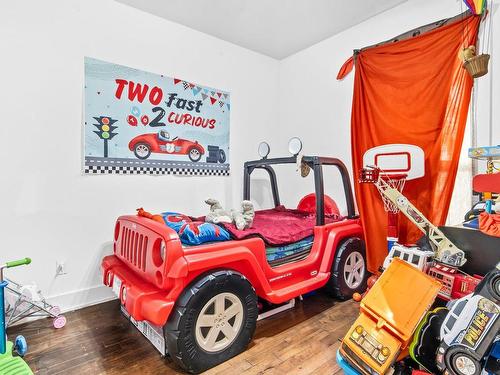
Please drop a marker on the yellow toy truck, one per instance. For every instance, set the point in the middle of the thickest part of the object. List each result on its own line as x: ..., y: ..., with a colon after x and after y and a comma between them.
x: 389, y: 315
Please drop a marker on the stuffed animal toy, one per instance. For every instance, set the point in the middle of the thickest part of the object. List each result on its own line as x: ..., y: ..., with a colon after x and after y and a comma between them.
x: 242, y: 219
x: 217, y: 214
x: 158, y: 218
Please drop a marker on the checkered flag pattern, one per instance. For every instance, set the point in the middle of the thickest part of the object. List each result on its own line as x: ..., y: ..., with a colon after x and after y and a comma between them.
x: 109, y: 169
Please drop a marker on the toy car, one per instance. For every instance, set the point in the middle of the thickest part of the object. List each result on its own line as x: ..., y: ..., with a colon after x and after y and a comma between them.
x: 418, y: 258
x: 204, y: 299
x: 467, y: 333
x: 145, y: 144
x: 455, y: 284
x: 389, y: 315
x: 470, y: 328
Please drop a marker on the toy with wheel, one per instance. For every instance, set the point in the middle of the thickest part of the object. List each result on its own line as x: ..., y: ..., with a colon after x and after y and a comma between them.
x: 345, y: 366
x: 10, y: 364
x: 470, y: 329
x: 28, y: 301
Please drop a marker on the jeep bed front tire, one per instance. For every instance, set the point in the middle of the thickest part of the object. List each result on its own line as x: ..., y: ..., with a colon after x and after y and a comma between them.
x: 183, y: 334
x: 350, y: 252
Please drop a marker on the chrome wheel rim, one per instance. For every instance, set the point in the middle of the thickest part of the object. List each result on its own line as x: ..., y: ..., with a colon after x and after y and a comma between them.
x: 142, y: 150
x: 219, y: 322
x: 354, y: 270
x: 465, y: 365
x: 194, y: 153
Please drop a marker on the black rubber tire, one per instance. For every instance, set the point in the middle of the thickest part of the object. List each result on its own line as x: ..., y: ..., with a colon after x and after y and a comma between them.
x: 180, y: 329
x: 222, y: 157
x: 142, y: 157
x: 452, y: 354
x: 192, y: 158
x: 337, y: 286
x: 495, y: 287
x: 489, y: 286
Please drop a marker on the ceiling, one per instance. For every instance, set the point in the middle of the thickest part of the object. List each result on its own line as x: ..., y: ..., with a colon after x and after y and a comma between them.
x: 276, y: 28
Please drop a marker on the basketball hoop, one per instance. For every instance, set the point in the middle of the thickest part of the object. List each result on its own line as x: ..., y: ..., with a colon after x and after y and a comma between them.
x: 385, y: 181
x: 396, y: 181
x: 388, y: 167
x: 382, y: 179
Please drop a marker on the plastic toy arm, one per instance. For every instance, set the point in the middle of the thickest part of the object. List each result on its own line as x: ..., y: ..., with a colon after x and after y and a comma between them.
x: 17, y: 263
x: 446, y: 251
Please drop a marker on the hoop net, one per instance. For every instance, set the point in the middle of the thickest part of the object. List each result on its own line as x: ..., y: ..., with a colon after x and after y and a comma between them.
x: 383, y: 181
x: 396, y: 182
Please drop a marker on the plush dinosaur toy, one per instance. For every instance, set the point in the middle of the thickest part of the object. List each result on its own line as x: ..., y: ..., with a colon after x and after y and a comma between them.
x: 242, y: 219
x: 158, y: 218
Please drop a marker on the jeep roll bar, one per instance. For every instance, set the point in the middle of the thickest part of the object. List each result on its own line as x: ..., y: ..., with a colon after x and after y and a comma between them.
x: 315, y: 163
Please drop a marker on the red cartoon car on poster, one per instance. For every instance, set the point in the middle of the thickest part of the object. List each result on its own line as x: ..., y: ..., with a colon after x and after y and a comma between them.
x: 145, y: 144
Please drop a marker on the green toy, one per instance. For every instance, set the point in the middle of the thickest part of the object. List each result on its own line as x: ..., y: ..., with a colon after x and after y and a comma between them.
x: 11, y: 364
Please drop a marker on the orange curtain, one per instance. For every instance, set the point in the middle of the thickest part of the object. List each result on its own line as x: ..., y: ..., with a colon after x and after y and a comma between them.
x: 411, y: 90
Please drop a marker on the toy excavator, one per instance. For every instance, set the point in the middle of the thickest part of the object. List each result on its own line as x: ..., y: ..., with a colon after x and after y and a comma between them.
x: 445, y: 250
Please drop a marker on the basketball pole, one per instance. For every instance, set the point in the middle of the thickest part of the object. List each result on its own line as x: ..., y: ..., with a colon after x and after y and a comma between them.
x: 392, y: 229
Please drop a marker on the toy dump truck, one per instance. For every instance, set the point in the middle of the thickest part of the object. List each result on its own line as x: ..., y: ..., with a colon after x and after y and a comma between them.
x: 389, y: 315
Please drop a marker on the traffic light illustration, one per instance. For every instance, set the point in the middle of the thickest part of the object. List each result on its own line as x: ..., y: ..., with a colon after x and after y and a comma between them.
x: 105, y: 130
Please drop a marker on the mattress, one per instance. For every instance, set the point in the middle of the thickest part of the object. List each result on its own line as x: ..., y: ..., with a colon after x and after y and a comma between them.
x: 289, y: 253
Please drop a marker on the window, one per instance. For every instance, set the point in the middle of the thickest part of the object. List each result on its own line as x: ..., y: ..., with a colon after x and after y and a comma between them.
x: 415, y: 260
x: 459, y: 308
x: 397, y: 254
x: 451, y: 322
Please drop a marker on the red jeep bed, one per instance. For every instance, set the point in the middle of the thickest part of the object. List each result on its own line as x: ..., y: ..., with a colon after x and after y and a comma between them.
x: 204, y: 300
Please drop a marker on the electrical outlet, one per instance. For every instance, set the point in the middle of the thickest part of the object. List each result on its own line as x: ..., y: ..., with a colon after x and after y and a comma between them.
x: 60, y: 268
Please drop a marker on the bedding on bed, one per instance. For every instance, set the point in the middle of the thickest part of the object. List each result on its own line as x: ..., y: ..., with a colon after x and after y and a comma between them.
x: 280, y: 226
x: 297, y: 249
x: 192, y: 232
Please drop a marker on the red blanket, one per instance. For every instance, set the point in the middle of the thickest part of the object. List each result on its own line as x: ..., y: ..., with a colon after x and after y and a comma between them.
x: 280, y: 226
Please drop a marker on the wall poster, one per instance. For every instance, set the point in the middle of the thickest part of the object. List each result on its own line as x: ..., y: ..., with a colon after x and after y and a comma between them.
x: 137, y: 122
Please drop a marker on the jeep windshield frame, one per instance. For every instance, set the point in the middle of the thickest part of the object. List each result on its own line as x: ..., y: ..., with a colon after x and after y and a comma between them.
x: 316, y: 164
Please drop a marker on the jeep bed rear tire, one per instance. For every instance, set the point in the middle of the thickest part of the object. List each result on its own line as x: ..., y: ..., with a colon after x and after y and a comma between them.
x: 180, y: 330
x: 337, y: 286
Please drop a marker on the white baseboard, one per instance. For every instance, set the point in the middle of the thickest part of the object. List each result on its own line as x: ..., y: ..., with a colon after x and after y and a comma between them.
x: 78, y: 299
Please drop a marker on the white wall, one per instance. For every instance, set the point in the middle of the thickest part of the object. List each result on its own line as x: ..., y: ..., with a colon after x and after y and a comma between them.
x: 317, y: 107
x: 49, y: 211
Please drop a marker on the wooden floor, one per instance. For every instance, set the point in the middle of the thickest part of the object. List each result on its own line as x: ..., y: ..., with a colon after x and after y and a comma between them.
x: 99, y: 340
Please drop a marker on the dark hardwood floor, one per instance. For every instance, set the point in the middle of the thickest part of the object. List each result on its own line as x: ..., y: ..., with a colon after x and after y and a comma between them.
x: 99, y: 340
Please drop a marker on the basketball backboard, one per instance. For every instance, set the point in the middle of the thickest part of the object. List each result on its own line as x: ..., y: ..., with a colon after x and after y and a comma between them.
x: 395, y: 159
